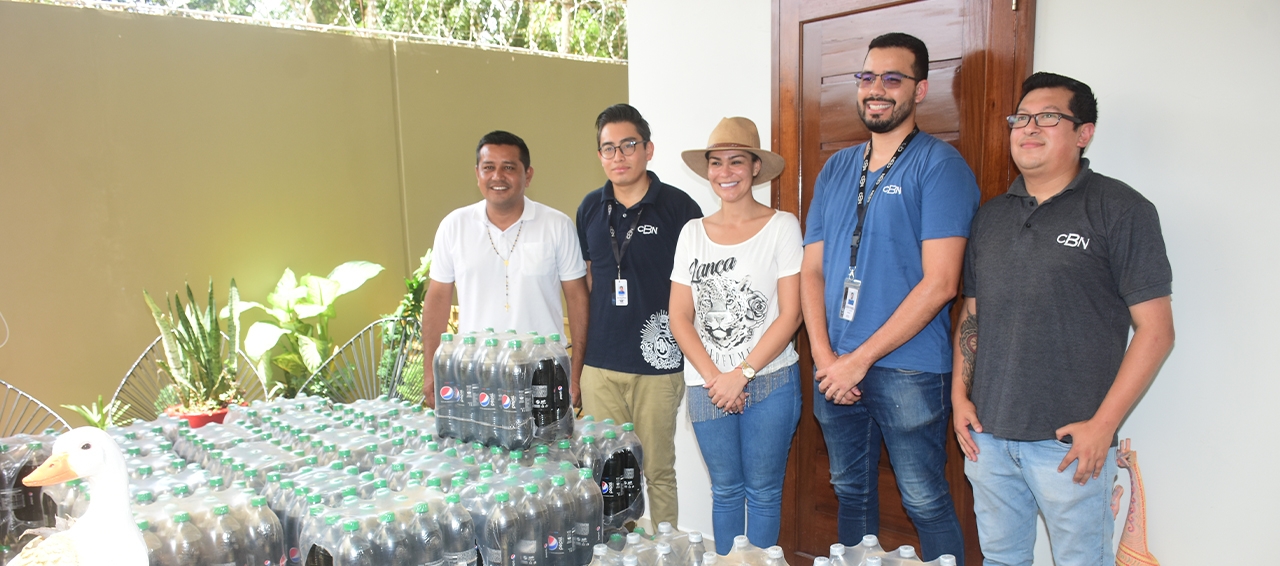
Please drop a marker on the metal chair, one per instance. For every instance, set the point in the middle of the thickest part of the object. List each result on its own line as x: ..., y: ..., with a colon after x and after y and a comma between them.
x: 385, y: 358
x: 23, y: 414
x: 144, y: 381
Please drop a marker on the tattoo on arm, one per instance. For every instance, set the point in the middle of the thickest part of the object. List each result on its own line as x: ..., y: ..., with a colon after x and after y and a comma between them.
x: 969, y: 347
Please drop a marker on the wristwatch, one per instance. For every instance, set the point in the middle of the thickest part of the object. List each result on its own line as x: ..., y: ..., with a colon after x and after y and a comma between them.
x: 748, y: 371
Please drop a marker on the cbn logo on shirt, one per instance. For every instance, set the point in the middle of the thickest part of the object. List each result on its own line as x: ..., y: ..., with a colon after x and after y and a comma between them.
x: 892, y: 190
x: 1073, y: 240
x: 649, y: 229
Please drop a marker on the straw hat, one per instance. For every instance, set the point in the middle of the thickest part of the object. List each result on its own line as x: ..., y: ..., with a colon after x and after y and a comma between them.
x: 741, y: 134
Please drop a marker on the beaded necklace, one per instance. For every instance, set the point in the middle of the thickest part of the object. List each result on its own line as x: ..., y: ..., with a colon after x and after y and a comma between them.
x: 506, y: 261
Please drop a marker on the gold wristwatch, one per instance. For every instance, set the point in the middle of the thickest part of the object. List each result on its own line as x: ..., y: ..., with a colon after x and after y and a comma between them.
x: 748, y: 371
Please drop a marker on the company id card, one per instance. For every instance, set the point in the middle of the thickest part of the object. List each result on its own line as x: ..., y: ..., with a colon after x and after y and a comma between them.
x: 850, y: 304
x: 619, y: 292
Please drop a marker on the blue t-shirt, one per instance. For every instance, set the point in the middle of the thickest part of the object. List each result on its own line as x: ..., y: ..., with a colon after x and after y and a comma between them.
x: 929, y: 193
x: 636, y: 338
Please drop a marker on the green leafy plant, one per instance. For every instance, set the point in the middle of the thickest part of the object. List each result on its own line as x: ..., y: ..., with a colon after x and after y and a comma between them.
x: 410, y: 306
x: 300, y: 309
x: 194, y: 346
x: 102, y: 417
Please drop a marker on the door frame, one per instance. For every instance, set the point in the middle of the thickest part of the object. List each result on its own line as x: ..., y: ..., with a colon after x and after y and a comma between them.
x: 998, y: 43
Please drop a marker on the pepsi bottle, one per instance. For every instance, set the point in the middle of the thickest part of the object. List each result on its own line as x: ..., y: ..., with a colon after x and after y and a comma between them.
x: 559, y: 527
x: 449, y: 397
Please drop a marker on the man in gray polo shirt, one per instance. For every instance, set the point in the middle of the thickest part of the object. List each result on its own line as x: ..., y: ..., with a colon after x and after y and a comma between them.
x: 1060, y: 268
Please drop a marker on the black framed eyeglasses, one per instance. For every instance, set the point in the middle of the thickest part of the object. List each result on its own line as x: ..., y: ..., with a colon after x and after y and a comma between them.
x: 626, y: 147
x: 891, y: 79
x: 1043, y: 119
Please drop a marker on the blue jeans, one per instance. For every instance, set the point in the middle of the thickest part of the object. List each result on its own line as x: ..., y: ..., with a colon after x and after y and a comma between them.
x: 1014, y: 481
x: 746, y: 455
x: 910, y: 412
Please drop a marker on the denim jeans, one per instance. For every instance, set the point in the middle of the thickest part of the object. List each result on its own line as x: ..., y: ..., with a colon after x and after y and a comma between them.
x: 746, y: 455
x: 910, y: 412
x: 1014, y: 481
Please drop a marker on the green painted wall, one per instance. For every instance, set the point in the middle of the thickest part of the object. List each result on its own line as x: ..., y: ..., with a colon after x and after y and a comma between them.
x: 142, y: 152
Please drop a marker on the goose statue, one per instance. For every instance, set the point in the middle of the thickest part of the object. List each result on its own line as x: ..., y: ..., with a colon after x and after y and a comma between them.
x: 106, y: 534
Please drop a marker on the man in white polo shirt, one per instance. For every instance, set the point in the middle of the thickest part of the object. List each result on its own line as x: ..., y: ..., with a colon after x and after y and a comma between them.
x: 508, y: 257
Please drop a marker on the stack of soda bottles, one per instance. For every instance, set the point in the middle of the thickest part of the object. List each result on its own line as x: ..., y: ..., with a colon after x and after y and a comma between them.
x: 305, y: 481
x: 508, y: 390
x: 22, y: 507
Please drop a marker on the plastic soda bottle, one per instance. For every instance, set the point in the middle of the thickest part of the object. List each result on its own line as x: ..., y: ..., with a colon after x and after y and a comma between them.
x: 222, y: 539
x: 552, y: 404
x: 449, y: 394
x: 501, y: 532
x: 457, y: 533
x: 588, y: 515
x: 515, y: 369
x: 183, y: 545
x: 485, y: 374
x: 154, y: 547
x: 393, y: 547
x: 424, y: 533
x: 531, y: 545
x: 354, y: 548
x: 463, y: 355
x: 561, y: 546
x: 263, y: 535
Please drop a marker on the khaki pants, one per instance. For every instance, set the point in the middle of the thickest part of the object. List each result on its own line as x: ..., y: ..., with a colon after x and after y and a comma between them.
x: 651, y: 403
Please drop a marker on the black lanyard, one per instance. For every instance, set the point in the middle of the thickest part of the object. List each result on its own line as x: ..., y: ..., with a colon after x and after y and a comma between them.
x: 619, y: 251
x: 862, y: 185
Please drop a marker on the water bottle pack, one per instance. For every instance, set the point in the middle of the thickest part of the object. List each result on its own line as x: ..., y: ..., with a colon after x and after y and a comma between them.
x: 22, y: 507
x: 870, y: 553
x: 505, y: 390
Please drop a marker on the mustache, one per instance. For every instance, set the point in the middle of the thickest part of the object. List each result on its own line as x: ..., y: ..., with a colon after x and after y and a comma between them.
x: 879, y: 99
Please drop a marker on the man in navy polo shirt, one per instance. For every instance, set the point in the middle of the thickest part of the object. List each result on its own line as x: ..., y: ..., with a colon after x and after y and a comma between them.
x: 884, y: 241
x: 1060, y: 267
x: 628, y: 230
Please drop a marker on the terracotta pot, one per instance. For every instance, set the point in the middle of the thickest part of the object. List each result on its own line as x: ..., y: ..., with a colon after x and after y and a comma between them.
x: 197, y: 420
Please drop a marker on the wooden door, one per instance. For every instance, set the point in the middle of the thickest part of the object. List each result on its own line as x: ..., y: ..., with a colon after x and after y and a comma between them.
x: 980, y: 50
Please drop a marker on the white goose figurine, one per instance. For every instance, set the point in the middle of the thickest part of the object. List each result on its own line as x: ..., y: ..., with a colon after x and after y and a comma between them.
x: 106, y: 534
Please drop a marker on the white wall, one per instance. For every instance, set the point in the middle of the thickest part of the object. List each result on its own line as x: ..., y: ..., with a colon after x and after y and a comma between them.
x: 1186, y: 94
x: 693, y: 63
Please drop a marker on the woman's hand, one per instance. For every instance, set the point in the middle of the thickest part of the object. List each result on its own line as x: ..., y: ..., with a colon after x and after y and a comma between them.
x: 726, y: 391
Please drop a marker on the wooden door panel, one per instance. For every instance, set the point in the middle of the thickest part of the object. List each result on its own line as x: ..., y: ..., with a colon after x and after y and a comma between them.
x: 980, y: 50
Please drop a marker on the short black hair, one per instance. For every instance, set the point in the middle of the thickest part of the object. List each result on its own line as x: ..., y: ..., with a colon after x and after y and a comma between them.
x: 1083, y: 106
x: 499, y: 137
x: 622, y: 113
x: 909, y: 42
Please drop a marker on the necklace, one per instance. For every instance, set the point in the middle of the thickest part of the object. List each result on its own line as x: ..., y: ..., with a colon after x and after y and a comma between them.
x: 506, y: 261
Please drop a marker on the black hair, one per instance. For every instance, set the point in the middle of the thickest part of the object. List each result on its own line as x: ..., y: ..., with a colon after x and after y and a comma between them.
x: 499, y: 137
x: 909, y: 42
x: 1083, y: 106
x: 622, y: 113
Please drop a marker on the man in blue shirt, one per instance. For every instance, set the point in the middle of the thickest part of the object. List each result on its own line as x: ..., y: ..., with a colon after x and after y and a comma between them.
x: 884, y: 243
x: 628, y: 230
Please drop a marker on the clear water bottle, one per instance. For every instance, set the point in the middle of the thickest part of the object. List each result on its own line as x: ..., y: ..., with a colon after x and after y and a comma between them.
x: 838, y: 557
x: 599, y: 555
x: 773, y: 556
x: 424, y: 533
x: 561, y: 546
x: 944, y: 560
x: 354, y: 549
x: 872, y: 561
x: 450, y: 395
x: 183, y: 546
x: 824, y: 561
x: 743, y: 551
x: 155, y: 548
x: 457, y: 533
x: 693, y: 554
x: 501, y: 532
x: 462, y: 358
x: 531, y: 546
x: 222, y: 542
x: 855, y: 555
x: 487, y: 377
x: 904, y: 555
x: 711, y: 559
x: 263, y: 535
x: 391, y: 542
x: 588, y: 515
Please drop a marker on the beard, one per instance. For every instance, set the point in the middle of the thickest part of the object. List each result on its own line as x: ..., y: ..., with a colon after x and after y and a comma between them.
x: 896, y: 116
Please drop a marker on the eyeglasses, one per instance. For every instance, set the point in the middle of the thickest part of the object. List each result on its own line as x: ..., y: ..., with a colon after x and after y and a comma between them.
x: 1043, y: 119
x: 626, y: 147
x: 891, y: 80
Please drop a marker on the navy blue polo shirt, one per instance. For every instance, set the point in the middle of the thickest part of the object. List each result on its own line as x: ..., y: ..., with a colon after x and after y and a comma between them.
x: 635, y: 338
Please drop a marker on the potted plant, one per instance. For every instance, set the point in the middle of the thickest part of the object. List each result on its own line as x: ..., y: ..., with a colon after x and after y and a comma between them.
x: 201, y: 362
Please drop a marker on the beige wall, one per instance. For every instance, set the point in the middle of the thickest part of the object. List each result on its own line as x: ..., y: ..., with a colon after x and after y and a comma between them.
x: 141, y: 152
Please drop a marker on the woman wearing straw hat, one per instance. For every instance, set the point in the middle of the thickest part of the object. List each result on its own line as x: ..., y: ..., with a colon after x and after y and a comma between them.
x: 735, y: 305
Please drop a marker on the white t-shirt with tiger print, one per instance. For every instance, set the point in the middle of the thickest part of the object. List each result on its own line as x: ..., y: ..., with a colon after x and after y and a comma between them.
x: 735, y: 289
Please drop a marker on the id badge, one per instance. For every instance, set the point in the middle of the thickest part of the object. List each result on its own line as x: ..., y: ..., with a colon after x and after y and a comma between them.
x: 850, y: 304
x: 619, y: 292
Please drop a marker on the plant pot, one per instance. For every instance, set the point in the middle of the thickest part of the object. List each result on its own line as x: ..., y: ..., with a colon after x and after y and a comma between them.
x: 197, y: 420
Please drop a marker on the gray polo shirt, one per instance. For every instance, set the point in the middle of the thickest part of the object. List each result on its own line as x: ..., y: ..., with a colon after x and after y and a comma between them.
x: 1054, y: 282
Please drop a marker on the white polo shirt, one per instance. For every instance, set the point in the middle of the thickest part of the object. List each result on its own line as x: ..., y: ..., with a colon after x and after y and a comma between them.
x: 545, y: 252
